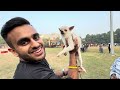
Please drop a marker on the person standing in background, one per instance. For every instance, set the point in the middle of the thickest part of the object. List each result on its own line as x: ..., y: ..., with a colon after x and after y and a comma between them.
x: 109, y: 48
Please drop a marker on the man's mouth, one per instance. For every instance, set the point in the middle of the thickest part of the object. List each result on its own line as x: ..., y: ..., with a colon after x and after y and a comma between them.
x: 38, y: 51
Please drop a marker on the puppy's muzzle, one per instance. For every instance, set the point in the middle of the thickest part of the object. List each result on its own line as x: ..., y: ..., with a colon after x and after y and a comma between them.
x: 61, y: 32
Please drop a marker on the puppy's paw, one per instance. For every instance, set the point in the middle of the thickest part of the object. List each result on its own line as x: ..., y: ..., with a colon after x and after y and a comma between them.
x: 58, y: 54
x: 81, y: 69
x: 65, y: 54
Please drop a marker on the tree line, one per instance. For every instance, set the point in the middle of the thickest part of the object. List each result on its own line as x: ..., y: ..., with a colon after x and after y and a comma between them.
x: 103, y: 38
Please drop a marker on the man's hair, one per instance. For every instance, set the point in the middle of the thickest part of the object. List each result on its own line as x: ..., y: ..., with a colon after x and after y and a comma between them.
x: 10, y: 25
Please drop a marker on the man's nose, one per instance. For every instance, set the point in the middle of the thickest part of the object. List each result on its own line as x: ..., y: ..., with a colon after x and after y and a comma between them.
x: 34, y: 43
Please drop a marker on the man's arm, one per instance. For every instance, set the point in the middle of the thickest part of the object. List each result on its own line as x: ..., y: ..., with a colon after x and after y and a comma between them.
x: 73, y: 70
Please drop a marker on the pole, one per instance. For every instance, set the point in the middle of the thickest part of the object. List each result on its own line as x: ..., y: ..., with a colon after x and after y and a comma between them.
x: 111, y: 34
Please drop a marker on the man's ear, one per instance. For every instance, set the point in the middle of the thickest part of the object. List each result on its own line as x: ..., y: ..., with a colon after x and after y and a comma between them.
x: 70, y: 28
x: 13, y: 52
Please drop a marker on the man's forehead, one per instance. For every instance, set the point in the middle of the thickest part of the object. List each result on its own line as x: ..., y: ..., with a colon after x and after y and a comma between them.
x: 21, y: 32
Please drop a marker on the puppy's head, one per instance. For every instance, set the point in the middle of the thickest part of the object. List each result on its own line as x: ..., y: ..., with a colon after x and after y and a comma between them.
x: 65, y: 30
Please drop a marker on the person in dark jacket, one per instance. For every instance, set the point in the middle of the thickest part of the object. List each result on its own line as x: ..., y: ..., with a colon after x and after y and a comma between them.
x: 25, y: 43
x: 109, y: 48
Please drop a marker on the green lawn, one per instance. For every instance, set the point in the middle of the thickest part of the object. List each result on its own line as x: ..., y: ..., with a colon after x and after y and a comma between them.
x: 96, y: 64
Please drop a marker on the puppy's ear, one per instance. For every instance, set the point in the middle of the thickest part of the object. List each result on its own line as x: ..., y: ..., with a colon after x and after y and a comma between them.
x: 70, y: 28
x: 59, y: 29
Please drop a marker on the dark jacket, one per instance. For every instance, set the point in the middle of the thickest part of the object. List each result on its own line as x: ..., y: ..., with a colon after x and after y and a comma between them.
x: 34, y: 70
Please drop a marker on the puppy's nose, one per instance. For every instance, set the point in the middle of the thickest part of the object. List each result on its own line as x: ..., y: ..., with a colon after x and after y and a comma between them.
x: 61, y: 32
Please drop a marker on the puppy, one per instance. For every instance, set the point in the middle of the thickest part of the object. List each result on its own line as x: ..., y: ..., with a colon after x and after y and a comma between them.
x: 67, y: 37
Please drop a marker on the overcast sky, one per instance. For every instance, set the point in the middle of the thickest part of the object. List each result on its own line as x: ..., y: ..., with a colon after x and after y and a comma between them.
x: 85, y: 22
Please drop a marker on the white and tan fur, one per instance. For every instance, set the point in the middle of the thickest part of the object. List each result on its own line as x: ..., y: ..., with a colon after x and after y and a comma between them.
x: 67, y: 34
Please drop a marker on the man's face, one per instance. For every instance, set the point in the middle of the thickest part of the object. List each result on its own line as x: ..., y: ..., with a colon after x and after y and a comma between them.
x: 27, y: 43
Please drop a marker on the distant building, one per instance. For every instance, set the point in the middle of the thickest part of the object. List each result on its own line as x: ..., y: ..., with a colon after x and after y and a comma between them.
x: 52, y: 39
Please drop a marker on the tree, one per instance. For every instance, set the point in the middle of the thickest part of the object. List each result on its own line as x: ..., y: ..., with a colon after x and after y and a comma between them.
x: 117, y: 36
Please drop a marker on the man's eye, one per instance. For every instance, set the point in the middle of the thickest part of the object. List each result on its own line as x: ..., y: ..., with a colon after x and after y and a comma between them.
x: 24, y: 43
x: 36, y: 37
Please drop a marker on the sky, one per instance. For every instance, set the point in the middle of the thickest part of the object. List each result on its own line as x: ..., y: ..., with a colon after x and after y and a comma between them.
x: 48, y: 22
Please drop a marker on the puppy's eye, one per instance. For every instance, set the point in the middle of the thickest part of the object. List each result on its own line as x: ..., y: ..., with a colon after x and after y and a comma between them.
x: 65, y: 30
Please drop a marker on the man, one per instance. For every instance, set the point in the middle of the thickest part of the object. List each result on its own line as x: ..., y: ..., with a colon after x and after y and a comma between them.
x: 25, y: 43
x: 101, y: 48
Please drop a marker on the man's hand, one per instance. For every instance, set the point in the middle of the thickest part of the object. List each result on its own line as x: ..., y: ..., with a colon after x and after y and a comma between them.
x: 62, y: 73
x: 113, y: 76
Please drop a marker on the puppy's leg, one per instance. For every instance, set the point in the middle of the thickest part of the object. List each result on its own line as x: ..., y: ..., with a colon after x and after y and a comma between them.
x: 65, y: 52
x: 79, y: 62
x: 65, y: 45
x: 69, y: 48
x: 64, y: 42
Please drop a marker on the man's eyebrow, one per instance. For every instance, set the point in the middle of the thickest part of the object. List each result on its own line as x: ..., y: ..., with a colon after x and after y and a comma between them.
x: 25, y: 38
x: 35, y: 34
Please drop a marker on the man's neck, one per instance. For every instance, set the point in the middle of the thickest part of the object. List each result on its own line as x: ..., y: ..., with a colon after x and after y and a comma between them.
x: 31, y: 61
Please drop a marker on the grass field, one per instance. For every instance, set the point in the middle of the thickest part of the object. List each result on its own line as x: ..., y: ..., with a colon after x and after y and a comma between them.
x: 96, y: 64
